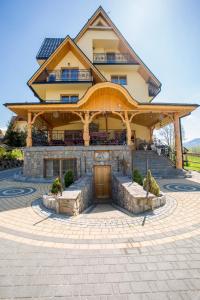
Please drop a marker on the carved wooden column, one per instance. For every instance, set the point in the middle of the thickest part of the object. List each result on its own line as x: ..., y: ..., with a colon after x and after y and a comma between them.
x: 128, y: 129
x: 29, y: 142
x: 86, y: 134
x: 178, y: 146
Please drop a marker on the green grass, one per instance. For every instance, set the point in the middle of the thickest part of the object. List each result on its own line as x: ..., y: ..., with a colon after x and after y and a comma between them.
x: 193, y: 163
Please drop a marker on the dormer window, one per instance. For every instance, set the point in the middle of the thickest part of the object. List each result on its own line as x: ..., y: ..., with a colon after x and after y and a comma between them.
x: 122, y: 80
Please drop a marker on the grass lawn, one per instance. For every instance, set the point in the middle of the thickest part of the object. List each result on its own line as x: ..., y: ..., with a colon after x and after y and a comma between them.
x: 193, y: 163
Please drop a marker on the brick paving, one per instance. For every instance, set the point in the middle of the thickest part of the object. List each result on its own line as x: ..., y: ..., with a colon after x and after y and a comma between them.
x: 104, y: 254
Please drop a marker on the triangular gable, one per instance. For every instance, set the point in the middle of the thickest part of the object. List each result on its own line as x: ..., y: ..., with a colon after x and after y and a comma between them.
x: 100, y: 12
x: 52, y: 61
x: 99, y: 22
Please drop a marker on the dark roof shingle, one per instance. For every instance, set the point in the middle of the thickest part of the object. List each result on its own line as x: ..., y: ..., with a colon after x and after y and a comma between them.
x: 49, y: 45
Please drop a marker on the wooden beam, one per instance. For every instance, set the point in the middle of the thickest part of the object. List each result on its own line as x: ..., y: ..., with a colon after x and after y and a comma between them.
x: 178, y: 147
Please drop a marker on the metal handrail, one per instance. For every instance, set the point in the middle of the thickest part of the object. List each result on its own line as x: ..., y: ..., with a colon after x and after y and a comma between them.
x: 113, y: 58
x: 69, y: 76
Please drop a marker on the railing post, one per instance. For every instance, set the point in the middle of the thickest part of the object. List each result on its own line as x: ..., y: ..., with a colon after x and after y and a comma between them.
x: 178, y: 147
x: 29, y: 141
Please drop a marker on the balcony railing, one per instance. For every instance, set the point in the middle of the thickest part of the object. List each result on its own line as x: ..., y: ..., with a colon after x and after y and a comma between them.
x: 113, y: 58
x: 75, y: 137
x: 71, y: 75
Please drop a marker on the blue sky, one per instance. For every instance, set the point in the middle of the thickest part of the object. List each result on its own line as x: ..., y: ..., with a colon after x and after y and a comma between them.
x: 164, y: 33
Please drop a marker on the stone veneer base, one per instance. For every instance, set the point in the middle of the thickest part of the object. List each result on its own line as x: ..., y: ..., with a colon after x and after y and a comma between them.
x: 132, y: 196
x: 34, y: 158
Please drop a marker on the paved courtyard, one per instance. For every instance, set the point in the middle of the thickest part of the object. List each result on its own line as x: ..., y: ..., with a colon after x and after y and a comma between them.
x: 102, y: 254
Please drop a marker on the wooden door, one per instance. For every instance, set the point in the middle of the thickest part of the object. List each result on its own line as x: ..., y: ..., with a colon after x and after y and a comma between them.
x: 102, y: 182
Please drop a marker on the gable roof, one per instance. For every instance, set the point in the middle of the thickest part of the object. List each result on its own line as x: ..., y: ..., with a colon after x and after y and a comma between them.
x: 101, y: 12
x: 48, y: 46
x: 58, y: 49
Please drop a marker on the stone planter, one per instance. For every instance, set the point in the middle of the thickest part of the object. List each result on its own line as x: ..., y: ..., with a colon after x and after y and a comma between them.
x: 76, y: 198
x: 132, y: 196
x: 51, y: 202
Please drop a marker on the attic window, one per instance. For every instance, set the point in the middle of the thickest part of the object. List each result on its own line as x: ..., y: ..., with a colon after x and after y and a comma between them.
x: 122, y: 80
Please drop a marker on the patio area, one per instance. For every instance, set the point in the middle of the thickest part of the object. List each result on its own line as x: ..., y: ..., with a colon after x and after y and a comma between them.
x: 104, y: 253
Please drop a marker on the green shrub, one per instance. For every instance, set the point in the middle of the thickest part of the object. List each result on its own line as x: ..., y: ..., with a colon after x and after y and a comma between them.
x: 2, y: 152
x: 56, y: 186
x: 151, y: 185
x: 69, y: 178
x: 14, y: 154
x: 137, y: 177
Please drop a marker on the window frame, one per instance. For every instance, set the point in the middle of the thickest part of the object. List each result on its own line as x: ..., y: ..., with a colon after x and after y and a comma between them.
x: 69, y: 97
x: 119, y: 77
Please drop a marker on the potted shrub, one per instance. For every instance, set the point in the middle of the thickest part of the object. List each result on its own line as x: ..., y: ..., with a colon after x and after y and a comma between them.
x: 69, y: 178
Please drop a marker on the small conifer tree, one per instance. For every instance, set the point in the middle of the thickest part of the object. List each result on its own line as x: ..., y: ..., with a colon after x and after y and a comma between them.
x: 150, y: 184
x: 137, y: 177
x: 69, y: 178
x: 56, y: 186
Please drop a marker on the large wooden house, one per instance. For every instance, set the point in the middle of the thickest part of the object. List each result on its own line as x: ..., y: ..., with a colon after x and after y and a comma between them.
x: 95, y: 104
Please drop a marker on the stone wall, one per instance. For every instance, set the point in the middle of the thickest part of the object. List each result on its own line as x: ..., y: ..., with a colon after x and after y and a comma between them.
x: 132, y: 196
x: 10, y: 163
x: 34, y: 158
x: 74, y: 199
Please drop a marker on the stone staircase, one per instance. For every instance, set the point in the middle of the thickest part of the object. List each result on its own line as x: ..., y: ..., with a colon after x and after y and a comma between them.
x: 160, y: 166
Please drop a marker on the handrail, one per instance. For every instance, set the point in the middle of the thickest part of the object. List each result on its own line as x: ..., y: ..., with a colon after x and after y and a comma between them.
x: 69, y: 75
x: 113, y: 58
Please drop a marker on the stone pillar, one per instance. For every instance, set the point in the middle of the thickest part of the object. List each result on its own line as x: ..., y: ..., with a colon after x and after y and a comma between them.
x: 178, y: 146
x: 128, y: 130
x: 29, y: 131
x: 86, y: 135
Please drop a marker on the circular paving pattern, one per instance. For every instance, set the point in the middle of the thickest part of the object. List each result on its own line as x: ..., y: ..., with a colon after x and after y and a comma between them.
x: 16, y: 192
x: 180, y: 187
x: 104, y: 227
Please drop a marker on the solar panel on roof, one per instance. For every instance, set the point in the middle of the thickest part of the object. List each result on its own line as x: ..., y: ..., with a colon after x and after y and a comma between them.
x: 48, y: 47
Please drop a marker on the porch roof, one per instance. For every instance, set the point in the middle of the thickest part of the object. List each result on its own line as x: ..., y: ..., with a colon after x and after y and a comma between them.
x: 147, y: 114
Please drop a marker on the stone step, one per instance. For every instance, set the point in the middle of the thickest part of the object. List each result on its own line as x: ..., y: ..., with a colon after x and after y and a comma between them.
x: 160, y: 166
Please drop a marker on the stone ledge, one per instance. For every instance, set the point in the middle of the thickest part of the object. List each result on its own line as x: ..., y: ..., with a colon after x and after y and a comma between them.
x: 132, y: 196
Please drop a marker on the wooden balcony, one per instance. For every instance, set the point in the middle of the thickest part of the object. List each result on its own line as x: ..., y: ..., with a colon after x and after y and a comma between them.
x: 113, y: 58
x: 75, y: 137
x: 66, y: 76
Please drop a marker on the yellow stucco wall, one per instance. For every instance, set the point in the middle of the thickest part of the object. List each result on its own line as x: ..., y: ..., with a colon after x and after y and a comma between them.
x: 54, y: 92
x: 70, y: 60
x: 86, y: 41
x: 136, y: 85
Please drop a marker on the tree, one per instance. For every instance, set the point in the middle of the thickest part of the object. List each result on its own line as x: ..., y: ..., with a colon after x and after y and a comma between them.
x: 14, y: 138
x: 166, y: 134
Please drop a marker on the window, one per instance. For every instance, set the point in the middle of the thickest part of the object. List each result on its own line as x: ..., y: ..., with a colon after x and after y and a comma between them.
x: 119, y: 79
x: 69, y: 74
x: 69, y: 98
x: 57, y: 167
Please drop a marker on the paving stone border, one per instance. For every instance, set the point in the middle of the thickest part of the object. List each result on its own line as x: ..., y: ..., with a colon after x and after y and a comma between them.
x: 83, y: 221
